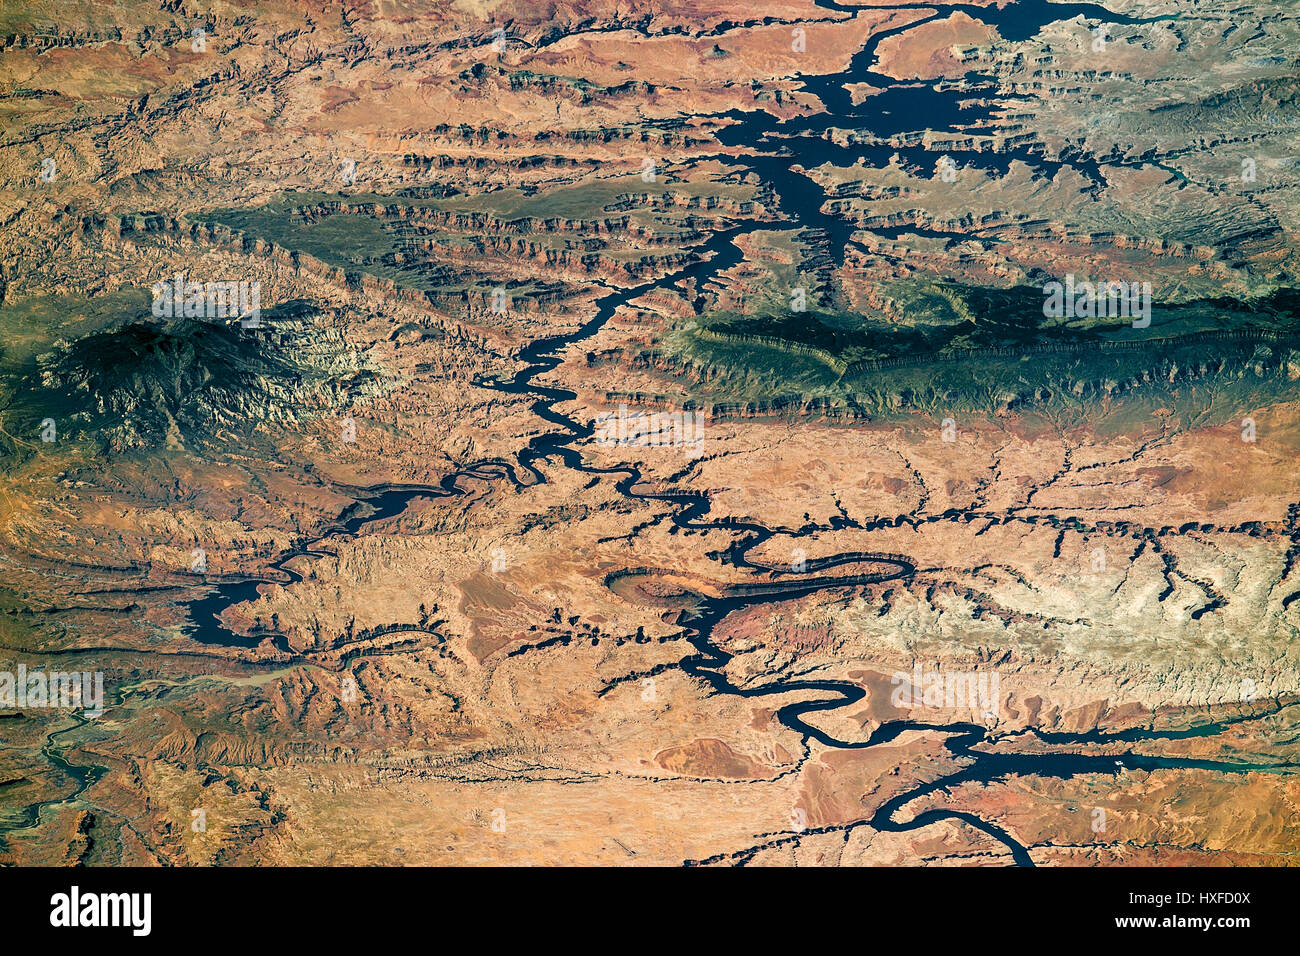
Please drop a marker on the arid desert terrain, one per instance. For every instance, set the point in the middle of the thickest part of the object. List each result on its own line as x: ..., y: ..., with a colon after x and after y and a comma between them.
x: 649, y: 433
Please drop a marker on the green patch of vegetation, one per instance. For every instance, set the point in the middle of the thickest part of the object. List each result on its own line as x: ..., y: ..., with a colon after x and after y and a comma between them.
x: 350, y: 239
x: 144, y: 383
x: 33, y: 326
x: 1000, y: 353
x: 351, y: 233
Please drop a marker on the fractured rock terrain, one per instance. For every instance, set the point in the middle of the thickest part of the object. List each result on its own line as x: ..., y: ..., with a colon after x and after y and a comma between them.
x: 939, y: 580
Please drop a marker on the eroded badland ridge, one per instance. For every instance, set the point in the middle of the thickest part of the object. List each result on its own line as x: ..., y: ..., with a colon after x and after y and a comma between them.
x: 642, y: 433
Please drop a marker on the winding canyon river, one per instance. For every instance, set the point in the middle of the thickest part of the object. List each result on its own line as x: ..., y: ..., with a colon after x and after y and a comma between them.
x: 769, y: 147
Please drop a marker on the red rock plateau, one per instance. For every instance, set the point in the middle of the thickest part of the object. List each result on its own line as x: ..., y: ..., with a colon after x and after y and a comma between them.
x: 651, y: 446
